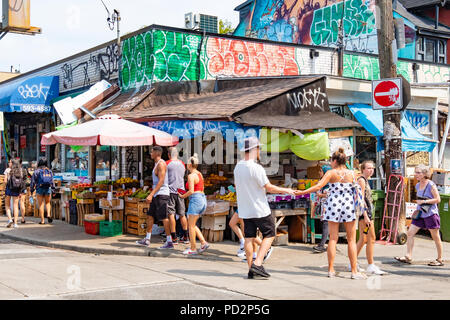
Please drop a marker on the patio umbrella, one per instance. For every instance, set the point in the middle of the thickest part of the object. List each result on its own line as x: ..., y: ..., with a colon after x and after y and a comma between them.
x: 110, y: 130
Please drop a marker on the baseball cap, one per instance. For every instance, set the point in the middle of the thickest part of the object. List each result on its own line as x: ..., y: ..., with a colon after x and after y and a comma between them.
x: 251, y: 143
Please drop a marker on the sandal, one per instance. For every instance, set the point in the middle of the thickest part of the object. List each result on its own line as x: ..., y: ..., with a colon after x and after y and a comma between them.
x: 404, y: 259
x: 23, y: 221
x: 41, y: 222
x: 436, y: 263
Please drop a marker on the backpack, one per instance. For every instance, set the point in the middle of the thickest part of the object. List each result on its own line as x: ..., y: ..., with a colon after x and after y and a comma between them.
x: 45, y: 178
x: 15, y: 184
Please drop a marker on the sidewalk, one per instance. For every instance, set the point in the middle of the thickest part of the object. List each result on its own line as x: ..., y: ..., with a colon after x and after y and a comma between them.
x: 61, y: 235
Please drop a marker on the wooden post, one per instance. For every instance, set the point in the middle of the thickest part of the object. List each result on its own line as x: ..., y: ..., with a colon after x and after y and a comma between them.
x: 92, y: 163
x: 388, y: 69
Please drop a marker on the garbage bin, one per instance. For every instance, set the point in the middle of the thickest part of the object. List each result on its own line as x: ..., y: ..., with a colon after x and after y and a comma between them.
x: 378, y: 203
x: 444, y: 211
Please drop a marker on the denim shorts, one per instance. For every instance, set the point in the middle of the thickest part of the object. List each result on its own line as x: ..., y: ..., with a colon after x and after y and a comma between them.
x: 197, y: 204
x: 43, y: 191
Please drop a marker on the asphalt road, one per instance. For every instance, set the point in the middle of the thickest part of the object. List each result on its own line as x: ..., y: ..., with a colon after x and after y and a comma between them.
x: 32, y: 272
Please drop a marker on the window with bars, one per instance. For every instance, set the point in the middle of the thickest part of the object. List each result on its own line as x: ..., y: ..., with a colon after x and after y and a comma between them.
x: 431, y: 50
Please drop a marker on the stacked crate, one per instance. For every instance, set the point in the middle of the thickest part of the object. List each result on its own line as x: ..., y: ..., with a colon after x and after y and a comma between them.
x: 136, y: 216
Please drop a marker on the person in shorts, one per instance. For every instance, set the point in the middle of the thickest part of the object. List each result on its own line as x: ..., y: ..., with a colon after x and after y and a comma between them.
x: 251, y: 186
x: 197, y: 206
x: 175, y: 171
x: 42, y: 182
x: 159, y: 200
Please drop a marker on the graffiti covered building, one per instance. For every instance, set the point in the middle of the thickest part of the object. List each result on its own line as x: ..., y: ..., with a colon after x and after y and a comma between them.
x: 327, y: 23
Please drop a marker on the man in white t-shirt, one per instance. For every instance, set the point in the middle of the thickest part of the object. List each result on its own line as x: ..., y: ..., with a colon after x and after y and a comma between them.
x: 251, y: 186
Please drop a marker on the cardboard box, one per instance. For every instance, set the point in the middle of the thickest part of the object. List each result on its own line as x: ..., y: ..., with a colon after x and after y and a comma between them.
x: 410, y: 208
x: 441, y: 178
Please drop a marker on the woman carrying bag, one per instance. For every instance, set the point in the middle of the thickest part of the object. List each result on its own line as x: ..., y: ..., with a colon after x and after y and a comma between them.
x: 426, y: 215
x: 42, y: 181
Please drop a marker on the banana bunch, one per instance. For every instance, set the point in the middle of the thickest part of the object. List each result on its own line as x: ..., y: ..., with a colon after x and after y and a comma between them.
x: 125, y: 180
x: 229, y: 197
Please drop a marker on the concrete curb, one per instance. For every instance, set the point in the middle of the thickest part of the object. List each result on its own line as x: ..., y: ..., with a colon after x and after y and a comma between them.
x: 82, y: 249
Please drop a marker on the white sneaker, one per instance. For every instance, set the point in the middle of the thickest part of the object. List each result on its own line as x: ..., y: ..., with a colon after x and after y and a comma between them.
x: 267, y: 256
x: 9, y: 224
x: 358, y: 268
x: 373, y: 269
x: 15, y: 226
x: 242, y: 255
x: 241, y: 251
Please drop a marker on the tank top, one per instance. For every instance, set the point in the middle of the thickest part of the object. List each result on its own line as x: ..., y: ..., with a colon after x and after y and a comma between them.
x: 198, y: 186
x: 426, y: 193
x: 164, y: 190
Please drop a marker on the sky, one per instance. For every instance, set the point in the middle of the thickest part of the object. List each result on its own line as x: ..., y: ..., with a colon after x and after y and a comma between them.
x: 70, y: 26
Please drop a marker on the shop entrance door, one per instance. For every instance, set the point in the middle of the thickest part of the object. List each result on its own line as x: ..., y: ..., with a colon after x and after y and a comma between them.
x: 29, y: 152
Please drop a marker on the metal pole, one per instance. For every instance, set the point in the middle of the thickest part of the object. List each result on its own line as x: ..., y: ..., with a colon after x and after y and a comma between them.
x: 444, y: 138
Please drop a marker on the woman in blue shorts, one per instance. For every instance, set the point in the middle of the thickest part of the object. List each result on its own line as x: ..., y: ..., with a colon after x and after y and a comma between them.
x: 197, y: 205
x: 42, y: 181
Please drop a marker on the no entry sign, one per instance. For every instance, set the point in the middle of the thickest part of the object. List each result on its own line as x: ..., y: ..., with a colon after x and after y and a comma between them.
x: 387, y: 94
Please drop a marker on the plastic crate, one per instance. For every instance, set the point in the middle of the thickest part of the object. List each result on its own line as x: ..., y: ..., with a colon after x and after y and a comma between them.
x: 91, y: 227
x: 280, y: 205
x: 110, y: 229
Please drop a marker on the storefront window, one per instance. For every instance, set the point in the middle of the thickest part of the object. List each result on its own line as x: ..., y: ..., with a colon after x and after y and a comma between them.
x: 107, y: 162
x: 77, y: 160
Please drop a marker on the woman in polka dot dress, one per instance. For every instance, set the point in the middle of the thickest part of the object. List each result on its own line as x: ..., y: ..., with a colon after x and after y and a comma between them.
x: 340, y: 208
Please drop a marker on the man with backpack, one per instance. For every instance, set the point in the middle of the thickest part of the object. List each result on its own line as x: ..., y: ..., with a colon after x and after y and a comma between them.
x: 42, y: 181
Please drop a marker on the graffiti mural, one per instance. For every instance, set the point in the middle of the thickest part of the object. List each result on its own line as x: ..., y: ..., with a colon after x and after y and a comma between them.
x: 419, y: 119
x: 313, y: 22
x: 368, y: 68
x: 160, y: 56
x: 103, y: 64
x: 226, y: 57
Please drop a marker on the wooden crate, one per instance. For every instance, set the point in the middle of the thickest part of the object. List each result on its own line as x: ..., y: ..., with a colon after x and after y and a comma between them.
x: 212, y: 235
x: 82, y: 210
x: 56, y: 208
x: 136, y: 208
x: 116, y: 214
x: 136, y: 225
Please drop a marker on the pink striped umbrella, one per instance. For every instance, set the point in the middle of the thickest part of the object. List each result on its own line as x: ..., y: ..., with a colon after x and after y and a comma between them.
x: 110, y: 130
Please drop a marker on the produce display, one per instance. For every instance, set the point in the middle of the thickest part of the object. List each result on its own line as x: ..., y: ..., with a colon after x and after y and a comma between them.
x: 104, y: 182
x: 140, y: 194
x: 214, y: 179
x: 79, y: 186
x: 124, y: 193
x: 231, y: 196
x: 126, y: 180
x: 86, y: 194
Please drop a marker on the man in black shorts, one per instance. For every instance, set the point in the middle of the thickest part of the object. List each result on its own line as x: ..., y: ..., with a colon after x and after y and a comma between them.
x: 251, y: 186
x: 159, y: 200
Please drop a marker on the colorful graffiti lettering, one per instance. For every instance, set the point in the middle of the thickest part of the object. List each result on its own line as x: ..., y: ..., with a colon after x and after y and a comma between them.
x: 368, y: 68
x: 248, y: 59
x: 313, y: 22
x: 358, y: 20
x: 160, y: 56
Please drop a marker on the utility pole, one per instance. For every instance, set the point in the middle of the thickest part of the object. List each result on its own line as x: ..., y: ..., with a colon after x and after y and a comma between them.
x: 391, y: 118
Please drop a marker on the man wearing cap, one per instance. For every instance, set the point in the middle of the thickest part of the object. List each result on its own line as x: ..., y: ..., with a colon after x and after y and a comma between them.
x: 251, y: 186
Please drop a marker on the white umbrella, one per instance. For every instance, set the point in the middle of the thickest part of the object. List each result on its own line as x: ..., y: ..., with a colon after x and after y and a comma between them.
x: 110, y: 130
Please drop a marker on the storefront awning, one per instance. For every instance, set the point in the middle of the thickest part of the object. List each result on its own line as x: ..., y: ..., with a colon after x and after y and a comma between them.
x: 304, y: 121
x: 30, y: 95
x: 372, y: 121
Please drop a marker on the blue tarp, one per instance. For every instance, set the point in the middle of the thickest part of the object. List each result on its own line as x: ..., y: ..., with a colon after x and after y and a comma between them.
x: 188, y: 129
x: 30, y: 95
x: 372, y: 121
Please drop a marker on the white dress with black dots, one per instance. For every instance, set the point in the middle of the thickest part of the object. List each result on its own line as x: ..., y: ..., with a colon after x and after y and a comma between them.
x: 340, y: 206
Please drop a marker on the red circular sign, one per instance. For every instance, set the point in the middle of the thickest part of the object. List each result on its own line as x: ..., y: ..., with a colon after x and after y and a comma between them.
x: 386, y: 93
